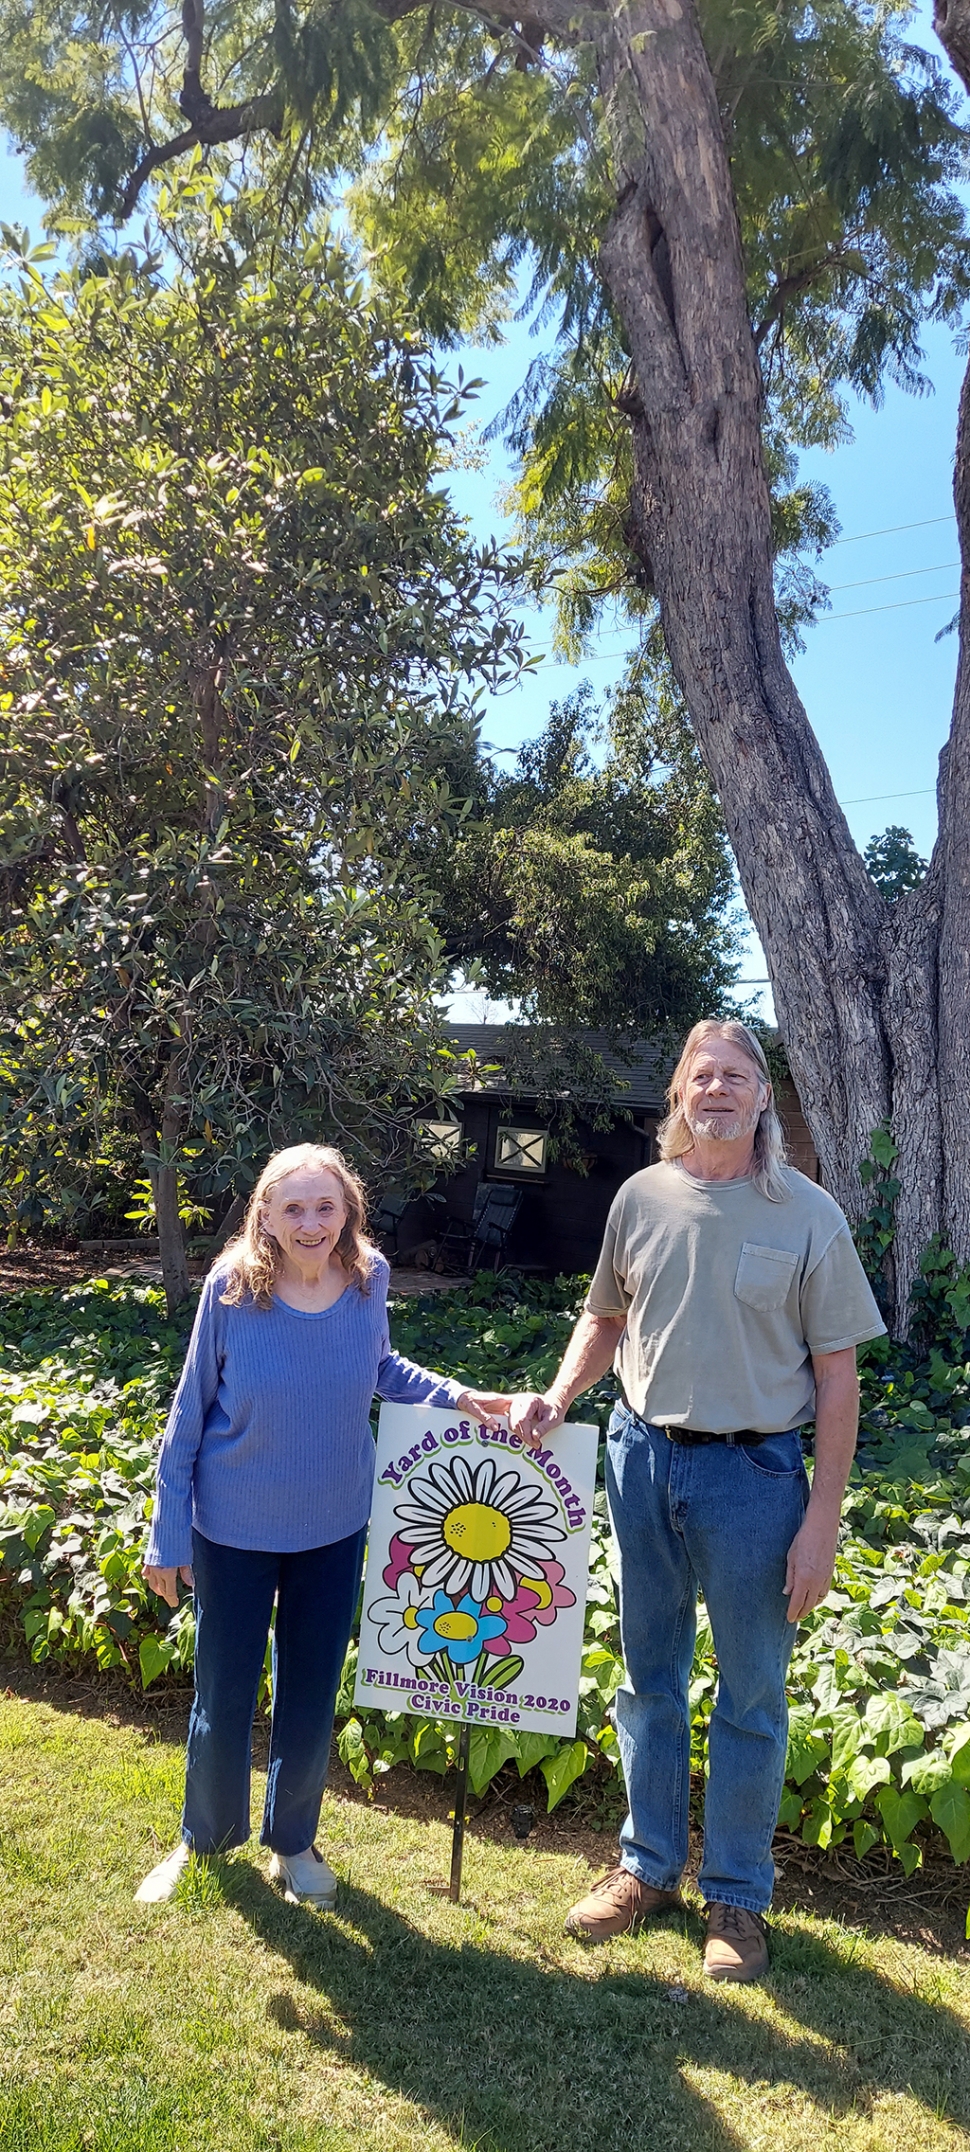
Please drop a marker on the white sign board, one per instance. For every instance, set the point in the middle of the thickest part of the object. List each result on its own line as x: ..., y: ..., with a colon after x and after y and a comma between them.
x: 475, y: 1587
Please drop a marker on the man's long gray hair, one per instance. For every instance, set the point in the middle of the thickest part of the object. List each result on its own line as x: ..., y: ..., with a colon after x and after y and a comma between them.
x: 674, y: 1136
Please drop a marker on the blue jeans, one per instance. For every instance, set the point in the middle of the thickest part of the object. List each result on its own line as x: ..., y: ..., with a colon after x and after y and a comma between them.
x: 717, y: 1519
x: 316, y: 1599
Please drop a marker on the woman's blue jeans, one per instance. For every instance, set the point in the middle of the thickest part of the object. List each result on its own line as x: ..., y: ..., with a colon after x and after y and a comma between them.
x: 316, y: 1599
x: 717, y: 1519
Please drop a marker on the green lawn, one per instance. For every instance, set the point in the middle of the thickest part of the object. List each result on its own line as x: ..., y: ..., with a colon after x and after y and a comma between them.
x: 231, y: 2022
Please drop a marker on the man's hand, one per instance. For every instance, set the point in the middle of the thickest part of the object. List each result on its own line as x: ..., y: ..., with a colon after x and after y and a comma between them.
x: 587, y: 1356
x: 811, y: 1562
x: 164, y: 1582
x: 487, y: 1405
x: 534, y: 1417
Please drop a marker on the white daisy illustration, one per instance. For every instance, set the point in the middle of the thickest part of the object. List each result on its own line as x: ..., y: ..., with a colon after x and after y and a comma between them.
x: 476, y: 1531
x: 396, y: 1619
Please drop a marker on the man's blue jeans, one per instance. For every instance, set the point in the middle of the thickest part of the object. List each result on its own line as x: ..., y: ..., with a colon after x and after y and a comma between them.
x: 719, y: 1519
x: 316, y: 1595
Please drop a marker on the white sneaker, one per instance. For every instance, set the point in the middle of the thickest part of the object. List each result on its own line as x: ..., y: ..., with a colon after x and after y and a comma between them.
x: 163, y: 1881
x: 306, y: 1879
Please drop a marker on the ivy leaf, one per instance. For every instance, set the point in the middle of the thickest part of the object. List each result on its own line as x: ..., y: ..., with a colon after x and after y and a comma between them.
x: 867, y: 1771
x: 532, y: 1749
x: 848, y: 1734
x: 806, y: 1748
x: 429, y: 1750
x: 561, y: 1771
x: 950, y: 1809
x: 927, y: 1773
x: 488, y: 1749
x: 900, y: 1812
x: 891, y: 1718
x: 155, y: 1653
x: 353, y: 1753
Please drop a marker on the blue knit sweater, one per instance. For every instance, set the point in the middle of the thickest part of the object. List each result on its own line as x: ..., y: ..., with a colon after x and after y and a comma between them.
x: 268, y: 1441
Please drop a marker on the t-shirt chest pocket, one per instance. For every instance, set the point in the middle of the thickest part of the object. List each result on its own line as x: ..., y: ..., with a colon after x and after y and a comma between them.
x: 764, y: 1276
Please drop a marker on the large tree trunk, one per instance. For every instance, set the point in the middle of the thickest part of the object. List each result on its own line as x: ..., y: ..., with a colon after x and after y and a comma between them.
x: 875, y: 1025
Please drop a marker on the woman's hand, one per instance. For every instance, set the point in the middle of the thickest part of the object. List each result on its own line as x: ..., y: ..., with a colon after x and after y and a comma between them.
x: 484, y: 1405
x: 164, y: 1582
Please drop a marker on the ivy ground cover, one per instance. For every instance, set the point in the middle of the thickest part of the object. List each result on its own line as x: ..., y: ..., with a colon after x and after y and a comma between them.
x: 880, y: 1680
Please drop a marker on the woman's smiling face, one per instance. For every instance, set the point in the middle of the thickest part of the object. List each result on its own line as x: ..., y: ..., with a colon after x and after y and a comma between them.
x: 305, y: 1213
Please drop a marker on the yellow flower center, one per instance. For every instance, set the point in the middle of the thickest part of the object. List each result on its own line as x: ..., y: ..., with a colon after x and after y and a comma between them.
x: 455, y: 1626
x: 477, y: 1530
x: 541, y: 1589
x: 410, y: 1618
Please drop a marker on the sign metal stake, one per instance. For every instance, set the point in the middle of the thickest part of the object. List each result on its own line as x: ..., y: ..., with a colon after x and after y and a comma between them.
x: 461, y: 1798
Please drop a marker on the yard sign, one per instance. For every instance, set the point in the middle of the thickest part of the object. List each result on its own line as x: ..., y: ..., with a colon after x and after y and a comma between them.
x: 476, y: 1572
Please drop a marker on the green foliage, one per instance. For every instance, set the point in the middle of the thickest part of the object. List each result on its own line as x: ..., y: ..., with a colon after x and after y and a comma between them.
x: 240, y: 637
x: 894, y: 863
x: 880, y: 1679
x: 875, y: 1233
x: 483, y: 184
x: 144, y: 1212
x: 596, y: 891
x: 85, y: 1381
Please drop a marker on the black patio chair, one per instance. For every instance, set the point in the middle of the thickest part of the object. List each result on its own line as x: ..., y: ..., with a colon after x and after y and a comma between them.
x: 387, y: 1223
x: 494, y: 1212
x: 493, y: 1224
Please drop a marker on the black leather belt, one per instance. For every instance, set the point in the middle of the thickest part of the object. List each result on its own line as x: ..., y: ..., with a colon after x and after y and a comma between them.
x: 688, y: 1438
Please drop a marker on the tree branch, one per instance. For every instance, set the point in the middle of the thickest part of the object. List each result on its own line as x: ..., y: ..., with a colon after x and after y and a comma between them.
x: 257, y: 115
x: 788, y: 287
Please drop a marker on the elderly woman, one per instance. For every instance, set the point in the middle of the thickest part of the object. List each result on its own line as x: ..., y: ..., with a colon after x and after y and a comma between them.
x: 264, y: 1490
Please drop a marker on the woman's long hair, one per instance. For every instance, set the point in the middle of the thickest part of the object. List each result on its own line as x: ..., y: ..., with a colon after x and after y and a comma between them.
x: 674, y: 1136
x: 251, y: 1261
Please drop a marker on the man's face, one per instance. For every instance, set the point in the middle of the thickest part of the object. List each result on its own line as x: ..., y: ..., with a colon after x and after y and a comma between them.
x: 724, y: 1094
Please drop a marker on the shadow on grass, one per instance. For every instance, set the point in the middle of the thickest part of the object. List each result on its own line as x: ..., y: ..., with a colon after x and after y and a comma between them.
x: 516, y: 2056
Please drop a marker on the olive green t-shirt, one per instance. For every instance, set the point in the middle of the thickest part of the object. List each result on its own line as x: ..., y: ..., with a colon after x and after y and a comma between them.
x: 727, y: 1295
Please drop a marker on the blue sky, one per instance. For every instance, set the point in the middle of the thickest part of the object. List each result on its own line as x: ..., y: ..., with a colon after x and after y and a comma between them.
x: 876, y: 685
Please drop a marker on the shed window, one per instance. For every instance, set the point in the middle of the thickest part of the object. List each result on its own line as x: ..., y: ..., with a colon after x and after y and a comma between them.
x: 442, y: 1139
x: 521, y: 1152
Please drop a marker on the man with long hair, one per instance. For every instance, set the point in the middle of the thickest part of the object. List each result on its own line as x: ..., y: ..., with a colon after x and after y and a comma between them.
x: 730, y: 1298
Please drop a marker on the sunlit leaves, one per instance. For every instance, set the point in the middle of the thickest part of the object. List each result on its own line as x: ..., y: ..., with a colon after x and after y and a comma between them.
x: 240, y: 634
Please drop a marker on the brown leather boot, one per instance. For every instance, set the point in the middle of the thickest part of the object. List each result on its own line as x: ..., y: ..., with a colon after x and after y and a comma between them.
x: 736, y: 1946
x: 616, y: 1903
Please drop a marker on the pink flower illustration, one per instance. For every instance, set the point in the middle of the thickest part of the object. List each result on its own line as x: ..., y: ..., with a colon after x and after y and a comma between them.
x: 399, y: 1562
x: 537, y: 1599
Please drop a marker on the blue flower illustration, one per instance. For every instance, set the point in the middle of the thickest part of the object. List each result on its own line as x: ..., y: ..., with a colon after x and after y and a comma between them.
x: 460, y: 1630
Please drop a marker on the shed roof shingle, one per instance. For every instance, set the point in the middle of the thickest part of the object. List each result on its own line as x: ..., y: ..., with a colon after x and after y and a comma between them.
x: 640, y: 1074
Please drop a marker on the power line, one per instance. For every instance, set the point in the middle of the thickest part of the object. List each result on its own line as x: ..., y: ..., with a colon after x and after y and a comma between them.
x: 901, y: 576
x: 891, y: 529
x: 870, y: 799
x: 899, y: 606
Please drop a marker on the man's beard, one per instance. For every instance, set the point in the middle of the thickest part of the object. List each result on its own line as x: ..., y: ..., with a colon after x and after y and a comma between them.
x: 722, y: 1127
